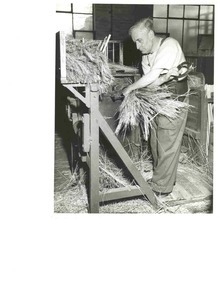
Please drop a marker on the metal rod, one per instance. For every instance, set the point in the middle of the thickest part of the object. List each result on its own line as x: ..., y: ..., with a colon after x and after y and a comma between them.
x: 106, y: 43
x: 103, y: 43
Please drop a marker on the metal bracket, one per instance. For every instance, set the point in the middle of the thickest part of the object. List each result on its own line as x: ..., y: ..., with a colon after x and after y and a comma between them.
x: 68, y: 112
x: 86, y: 133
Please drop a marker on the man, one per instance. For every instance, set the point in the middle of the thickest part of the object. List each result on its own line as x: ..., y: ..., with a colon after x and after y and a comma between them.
x: 160, y: 59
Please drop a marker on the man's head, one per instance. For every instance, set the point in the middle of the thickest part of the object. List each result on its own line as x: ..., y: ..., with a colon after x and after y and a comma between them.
x: 143, y: 35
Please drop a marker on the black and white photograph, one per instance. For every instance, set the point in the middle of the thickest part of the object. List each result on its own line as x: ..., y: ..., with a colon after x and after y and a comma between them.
x: 134, y: 108
x: 108, y: 111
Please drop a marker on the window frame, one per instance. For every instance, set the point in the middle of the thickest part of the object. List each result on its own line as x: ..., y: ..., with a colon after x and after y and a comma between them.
x: 74, y: 31
x: 188, y: 18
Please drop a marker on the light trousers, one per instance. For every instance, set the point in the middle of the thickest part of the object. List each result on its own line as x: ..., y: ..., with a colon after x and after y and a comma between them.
x: 165, y: 140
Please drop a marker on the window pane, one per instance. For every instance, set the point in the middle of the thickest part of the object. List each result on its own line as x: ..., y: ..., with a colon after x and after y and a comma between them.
x: 64, y: 22
x: 190, y: 37
x: 63, y: 7
x: 192, y: 12
x: 82, y: 22
x: 85, y: 35
x: 160, y: 11
x: 205, y: 27
x: 110, y: 51
x: 176, y: 11
x: 206, y: 12
x: 113, y: 52
x: 160, y: 25
x: 206, y: 42
x: 80, y: 7
x: 175, y: 29
x: 116, y: 54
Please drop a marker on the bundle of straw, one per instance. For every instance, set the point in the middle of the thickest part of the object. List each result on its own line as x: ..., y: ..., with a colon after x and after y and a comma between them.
x: 143, y: 105
x: 85, y: 63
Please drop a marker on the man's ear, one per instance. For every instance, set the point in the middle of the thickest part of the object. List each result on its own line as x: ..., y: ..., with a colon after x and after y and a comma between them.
x: 151, y: 34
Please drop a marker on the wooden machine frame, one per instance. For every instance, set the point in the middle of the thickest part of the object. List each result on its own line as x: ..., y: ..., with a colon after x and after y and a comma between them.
x: 92, y: 122
x: 200, y: 117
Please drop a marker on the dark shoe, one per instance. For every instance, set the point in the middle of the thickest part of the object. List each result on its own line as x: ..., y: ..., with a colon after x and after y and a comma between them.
x: 160, y: 194
x: 154, y: 186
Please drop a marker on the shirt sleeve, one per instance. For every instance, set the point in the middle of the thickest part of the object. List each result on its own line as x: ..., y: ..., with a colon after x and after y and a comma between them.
x: 169, y: 55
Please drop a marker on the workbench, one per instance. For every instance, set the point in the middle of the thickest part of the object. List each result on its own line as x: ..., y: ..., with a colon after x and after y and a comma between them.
x: 88, y: 122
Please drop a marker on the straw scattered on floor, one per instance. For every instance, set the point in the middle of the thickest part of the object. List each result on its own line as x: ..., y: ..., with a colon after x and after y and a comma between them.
x: 72, y: 196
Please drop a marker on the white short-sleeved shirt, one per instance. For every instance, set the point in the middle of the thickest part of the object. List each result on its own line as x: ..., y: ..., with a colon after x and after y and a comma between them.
x: 167, y: 55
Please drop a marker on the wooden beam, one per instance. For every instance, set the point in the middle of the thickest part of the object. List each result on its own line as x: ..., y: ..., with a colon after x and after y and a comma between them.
x: 62, y: 57
x: 120, y: 193
x: 204, y: 118
x: 94, y: 150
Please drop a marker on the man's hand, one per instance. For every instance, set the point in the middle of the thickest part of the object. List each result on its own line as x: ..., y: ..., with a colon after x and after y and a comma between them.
x: 173, y: 72
x: 127, y: 90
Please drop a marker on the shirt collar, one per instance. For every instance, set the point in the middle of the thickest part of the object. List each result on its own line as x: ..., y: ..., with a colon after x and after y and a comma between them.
x: 158, y: 46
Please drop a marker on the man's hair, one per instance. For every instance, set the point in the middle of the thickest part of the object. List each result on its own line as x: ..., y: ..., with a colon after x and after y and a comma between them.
x: 145, y: 23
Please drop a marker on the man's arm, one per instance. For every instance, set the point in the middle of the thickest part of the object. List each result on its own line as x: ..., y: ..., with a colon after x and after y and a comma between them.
x: 166, y: 77
x: 152, y: 78
x: 144, y: 81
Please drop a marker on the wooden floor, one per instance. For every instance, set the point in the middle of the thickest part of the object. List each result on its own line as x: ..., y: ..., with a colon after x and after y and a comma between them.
x: 193, y: 192
x: 190, y: 192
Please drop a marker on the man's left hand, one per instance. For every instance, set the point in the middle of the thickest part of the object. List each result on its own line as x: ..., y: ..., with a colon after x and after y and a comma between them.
x: 173, y: 72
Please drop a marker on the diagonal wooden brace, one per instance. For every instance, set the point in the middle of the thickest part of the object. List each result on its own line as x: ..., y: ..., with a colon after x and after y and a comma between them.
x: 145, y: 188
x: 85, y: 100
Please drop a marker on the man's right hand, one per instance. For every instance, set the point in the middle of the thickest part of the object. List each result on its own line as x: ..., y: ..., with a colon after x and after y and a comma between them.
x: 127, y: 90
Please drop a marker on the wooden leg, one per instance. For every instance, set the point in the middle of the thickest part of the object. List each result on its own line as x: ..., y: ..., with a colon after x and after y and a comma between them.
x: 204, y: 118
x: 94, y: 153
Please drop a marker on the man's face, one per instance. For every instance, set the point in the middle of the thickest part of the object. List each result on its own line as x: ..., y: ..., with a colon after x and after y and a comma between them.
x: 143, y: 39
